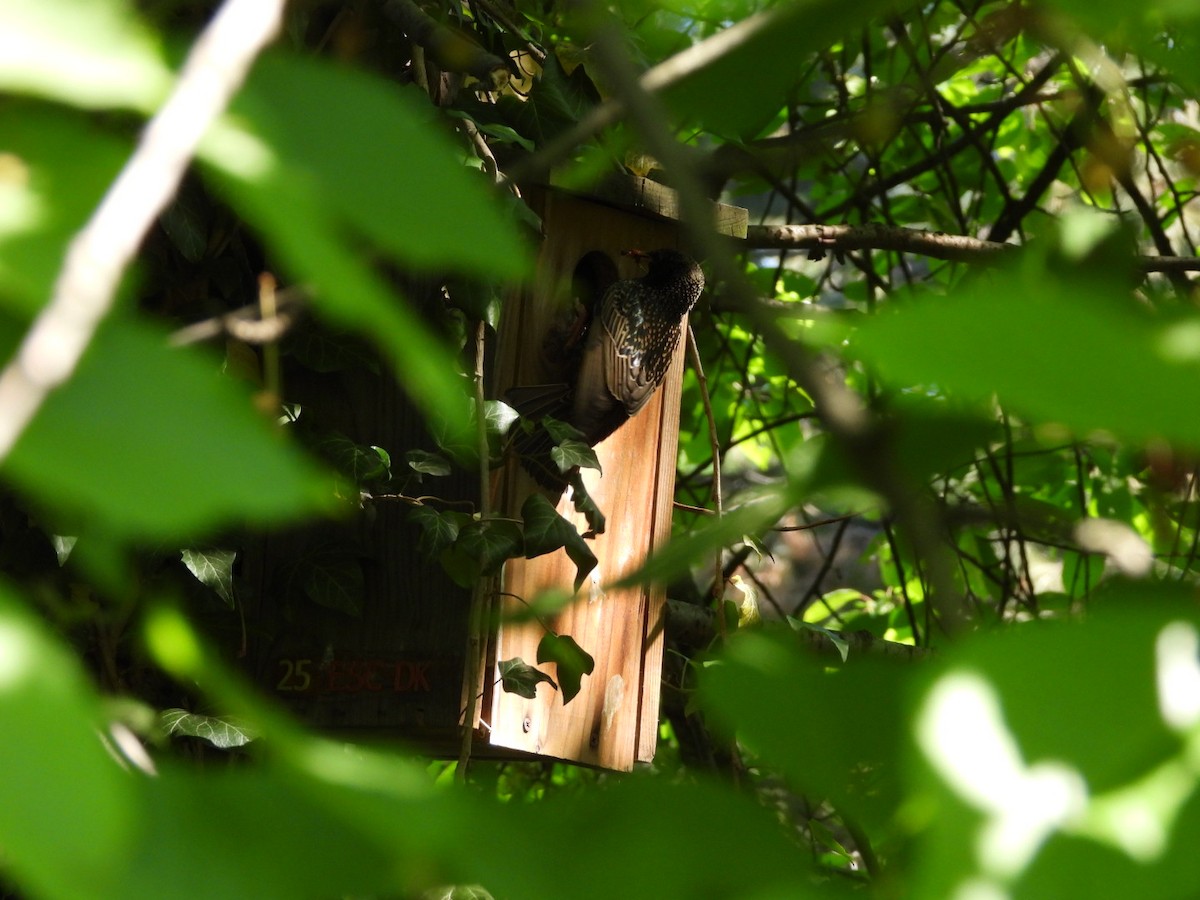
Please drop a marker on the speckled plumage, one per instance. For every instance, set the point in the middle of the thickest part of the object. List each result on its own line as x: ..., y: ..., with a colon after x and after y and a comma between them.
x: 631, y: 340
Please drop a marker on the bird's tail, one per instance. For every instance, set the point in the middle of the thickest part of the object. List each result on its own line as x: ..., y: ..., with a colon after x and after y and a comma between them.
x: 531, y: 441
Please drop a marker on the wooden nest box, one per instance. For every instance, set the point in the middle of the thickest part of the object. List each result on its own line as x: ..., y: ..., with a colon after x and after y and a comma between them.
x: 613, y: 721
x: 394, y: 662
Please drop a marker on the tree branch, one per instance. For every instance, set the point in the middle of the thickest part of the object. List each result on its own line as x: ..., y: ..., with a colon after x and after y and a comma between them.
x: 822, y: 239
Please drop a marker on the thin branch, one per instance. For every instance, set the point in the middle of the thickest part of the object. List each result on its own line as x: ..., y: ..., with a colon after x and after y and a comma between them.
x: 821, y: 239
x: 100, y: 253
x: 718, y: 588
x: 246, y: 324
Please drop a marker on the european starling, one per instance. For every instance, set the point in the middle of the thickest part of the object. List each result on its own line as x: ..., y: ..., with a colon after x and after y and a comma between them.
x: 631, y: 341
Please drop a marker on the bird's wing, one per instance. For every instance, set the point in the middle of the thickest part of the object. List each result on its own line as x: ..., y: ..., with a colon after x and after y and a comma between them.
x: 625, y: 335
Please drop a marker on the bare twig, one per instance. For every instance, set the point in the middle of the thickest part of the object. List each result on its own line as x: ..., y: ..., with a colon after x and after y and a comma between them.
x: 99, y: 254
x: 939, y: 245
x: 718, y: 588
x: 246, y: 324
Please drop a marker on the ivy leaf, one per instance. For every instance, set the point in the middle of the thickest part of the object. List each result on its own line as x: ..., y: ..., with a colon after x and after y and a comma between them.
x: 357, y: 462
x: 438, y: 529
x: 559, y: 430
x: 214, y: 569
x: 481, y: 549
x: 572, y: 660
x: 332, y: 577
x: 223, y: 733
x: 499, y: 417
x: 426, y: 463
x: 571, y: 453
x: 547, y: 531
x: 586, y: 506
x: 520, y: 678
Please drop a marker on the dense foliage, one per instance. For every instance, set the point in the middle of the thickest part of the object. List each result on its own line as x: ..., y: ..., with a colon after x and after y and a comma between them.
x: 947, y: 639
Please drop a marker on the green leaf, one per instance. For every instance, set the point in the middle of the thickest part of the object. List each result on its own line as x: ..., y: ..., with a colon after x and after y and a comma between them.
x: 332, y: 576
x: 224, y: 733
x: 560, y: 431
x: 67, y: 811
x: 438, y: 529
x: 499, y: 416
x: 359, y: 463
x: 301, y: 157
x: 1120, y: 371
x: 573, y: 661
x: 571, y: 453
x: 547, y: 531
x: 96, y: 54
x: 775, y: 695
x: 153, y: 443
x: 373, y: 154
x: 586, y: 506
x: 426, y: 463
x: 716, y: 93
x: 520, y: 678
x: 214, y: 569
x: 48, y: 190
x: 490, y: 543
x: 1111, y: 674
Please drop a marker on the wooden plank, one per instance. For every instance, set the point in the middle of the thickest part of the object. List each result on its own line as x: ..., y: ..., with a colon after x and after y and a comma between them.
x: 646, y: 197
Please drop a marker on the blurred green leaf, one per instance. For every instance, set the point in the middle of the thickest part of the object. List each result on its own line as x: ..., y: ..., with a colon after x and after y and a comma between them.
x: 1067, y: 347
x: 1068, y: 716
x: 48, y: 189
x: 715, y: 94
x: 68, y: 813
x: 372, y: 154
x: 776, y: 696
x: 154, y: 443
x: 95, y: 54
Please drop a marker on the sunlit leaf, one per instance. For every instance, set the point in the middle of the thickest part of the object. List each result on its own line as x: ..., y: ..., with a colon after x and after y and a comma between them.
x: 71, y: 794
x: 213, y: 568
x: 223, y: 733
x: 94, y: 54
x: 185, y: 454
